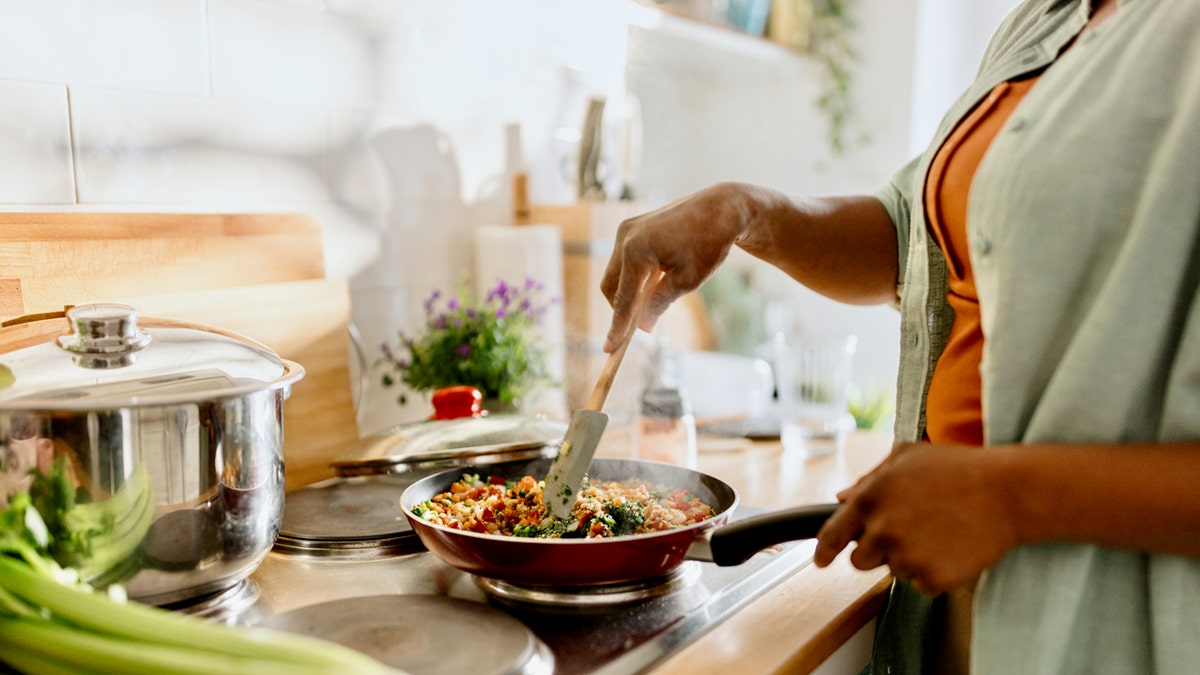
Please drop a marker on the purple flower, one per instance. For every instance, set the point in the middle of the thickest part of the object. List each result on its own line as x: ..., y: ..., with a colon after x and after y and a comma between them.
x: 432, y: 299
x: 452, y: 303
x: 500, y: 290
x: 464, y: 350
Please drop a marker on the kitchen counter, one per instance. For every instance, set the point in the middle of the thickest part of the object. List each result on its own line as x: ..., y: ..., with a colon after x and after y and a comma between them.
x: 800, y: 623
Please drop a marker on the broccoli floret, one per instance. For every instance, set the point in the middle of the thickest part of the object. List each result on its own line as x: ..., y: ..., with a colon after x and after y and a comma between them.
x: 626, y: 517
x: 605, y: 519
x: 550, y: 527
x: 553, y: 527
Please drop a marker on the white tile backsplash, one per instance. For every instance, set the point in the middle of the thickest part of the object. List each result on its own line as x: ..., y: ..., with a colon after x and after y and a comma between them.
x: 378, y: 10
x: 272, y: 52
x: 133, y: 147
x: 35, y: 142
x: 154, y: 45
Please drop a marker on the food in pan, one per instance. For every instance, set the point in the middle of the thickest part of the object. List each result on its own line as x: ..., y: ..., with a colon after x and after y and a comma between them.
x: 603, y: 509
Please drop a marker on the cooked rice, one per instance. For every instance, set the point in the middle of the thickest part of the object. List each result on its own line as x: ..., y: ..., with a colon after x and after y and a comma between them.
x: 604, y: 509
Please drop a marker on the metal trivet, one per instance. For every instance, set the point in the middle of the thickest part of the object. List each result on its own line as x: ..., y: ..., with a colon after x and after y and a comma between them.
x: 358, y: 518
x: 224, y: 605
x: 424, y: 634
x: 606, y: 595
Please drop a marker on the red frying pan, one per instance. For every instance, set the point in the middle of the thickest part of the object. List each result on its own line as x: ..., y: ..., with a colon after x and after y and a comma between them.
x: 588, y: 562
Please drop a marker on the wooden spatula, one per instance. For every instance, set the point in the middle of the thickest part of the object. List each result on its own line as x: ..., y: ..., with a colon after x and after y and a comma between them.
x: 579, y: 443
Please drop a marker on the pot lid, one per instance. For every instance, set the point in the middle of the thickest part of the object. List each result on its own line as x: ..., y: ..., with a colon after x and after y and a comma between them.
x: 436, y: 441
x: 101, y: 357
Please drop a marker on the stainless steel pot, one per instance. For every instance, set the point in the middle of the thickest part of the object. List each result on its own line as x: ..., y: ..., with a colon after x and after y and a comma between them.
x: 170, y: 434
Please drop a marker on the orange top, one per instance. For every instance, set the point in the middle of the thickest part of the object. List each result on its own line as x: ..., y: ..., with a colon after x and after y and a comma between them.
x: 953, y: 407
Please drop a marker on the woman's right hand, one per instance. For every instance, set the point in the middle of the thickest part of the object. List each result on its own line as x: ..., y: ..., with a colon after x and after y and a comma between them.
x: 687, y: 240
x: 844, y: 248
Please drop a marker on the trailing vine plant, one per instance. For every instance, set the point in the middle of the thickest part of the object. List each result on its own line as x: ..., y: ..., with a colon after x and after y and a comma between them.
x: 830, y: 45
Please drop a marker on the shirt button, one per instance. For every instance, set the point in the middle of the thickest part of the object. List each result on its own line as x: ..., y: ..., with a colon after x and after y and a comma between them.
x: 984, y: 246
x: 1017, y: 124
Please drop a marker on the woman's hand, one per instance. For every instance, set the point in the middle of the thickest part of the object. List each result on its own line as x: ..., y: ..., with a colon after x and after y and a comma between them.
x: 844, y: 248
x: 688, y: 240
x: 940, y: 515
x: 937, y: 516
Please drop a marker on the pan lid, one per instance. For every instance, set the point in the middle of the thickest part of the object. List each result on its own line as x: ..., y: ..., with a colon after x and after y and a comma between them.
x: 455, y: 435
x: 100, y: 356
x: 465, y: 440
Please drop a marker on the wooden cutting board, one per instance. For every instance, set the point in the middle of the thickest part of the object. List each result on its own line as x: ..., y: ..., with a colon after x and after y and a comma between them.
x: 261, y: 275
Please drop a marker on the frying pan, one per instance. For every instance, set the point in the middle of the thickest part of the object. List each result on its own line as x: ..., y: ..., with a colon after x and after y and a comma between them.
x: 592, y: 562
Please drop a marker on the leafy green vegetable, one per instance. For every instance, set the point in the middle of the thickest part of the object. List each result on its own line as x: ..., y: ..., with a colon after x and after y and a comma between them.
x: 627, y: 516
x: 98, y: 539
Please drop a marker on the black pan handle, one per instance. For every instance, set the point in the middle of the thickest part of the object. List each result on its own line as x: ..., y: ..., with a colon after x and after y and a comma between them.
x: 736, y: 542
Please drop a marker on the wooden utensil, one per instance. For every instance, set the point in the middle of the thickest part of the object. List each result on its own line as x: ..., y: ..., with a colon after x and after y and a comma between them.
x: 578, y: 446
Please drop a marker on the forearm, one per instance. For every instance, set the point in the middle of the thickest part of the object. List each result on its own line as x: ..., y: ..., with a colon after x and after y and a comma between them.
x: 1134, y: 496
x: 841, y: 247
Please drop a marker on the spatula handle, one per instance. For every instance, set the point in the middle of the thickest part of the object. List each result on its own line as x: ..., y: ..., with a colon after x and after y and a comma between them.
x: 609, y: 372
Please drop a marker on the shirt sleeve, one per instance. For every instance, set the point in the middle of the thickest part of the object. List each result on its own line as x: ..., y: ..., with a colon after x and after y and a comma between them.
x: 896, y: 197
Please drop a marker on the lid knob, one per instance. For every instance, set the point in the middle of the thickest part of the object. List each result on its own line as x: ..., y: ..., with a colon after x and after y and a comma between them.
x: 457, y: 401
x: 105, y: 335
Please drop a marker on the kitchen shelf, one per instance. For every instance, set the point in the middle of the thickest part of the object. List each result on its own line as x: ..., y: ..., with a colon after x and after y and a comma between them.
x: 724, y: 37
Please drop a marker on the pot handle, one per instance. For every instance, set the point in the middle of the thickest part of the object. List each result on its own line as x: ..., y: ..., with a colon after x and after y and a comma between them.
x: 29, y: 318
x: 736, y: 542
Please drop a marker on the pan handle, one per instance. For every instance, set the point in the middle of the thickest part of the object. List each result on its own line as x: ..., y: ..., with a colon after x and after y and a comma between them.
x: 736, y: 542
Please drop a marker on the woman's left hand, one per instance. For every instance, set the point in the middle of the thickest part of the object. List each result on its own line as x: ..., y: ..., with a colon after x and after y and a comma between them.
x: 937, y: 516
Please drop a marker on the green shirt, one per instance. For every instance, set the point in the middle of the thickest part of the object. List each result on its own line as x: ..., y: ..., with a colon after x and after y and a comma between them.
x: 1084, y: 234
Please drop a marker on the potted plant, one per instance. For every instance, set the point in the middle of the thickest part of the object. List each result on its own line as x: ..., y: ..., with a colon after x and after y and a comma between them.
x: 487, y: 342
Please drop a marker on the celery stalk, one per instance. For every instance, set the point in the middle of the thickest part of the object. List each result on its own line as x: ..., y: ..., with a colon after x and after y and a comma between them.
x: 40, y: 664
x: 85, y: 649
x: 147, y: 625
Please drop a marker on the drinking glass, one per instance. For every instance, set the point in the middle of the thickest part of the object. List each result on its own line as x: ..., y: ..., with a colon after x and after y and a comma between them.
x: 814, y: 379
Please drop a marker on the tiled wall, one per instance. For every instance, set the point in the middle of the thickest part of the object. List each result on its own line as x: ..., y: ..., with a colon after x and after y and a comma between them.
x: 386, y: 118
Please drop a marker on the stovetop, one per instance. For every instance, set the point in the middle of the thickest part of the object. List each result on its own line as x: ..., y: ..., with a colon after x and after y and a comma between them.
x: 419, y: 614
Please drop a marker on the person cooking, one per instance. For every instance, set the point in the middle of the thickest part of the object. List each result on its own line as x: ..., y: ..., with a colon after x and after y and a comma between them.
x: 1039, y: 510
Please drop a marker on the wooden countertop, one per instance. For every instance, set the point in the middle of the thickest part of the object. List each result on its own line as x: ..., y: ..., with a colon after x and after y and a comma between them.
x: 799, y: 623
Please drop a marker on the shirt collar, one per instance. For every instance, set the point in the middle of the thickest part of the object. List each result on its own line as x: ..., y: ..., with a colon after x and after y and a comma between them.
x: 1083, y: 4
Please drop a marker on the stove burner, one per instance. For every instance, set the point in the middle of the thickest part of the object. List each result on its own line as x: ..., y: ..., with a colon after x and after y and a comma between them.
x: 424, y: 634
x: 608, y: 595
x: 224, y: 605
x: 347, y: 517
